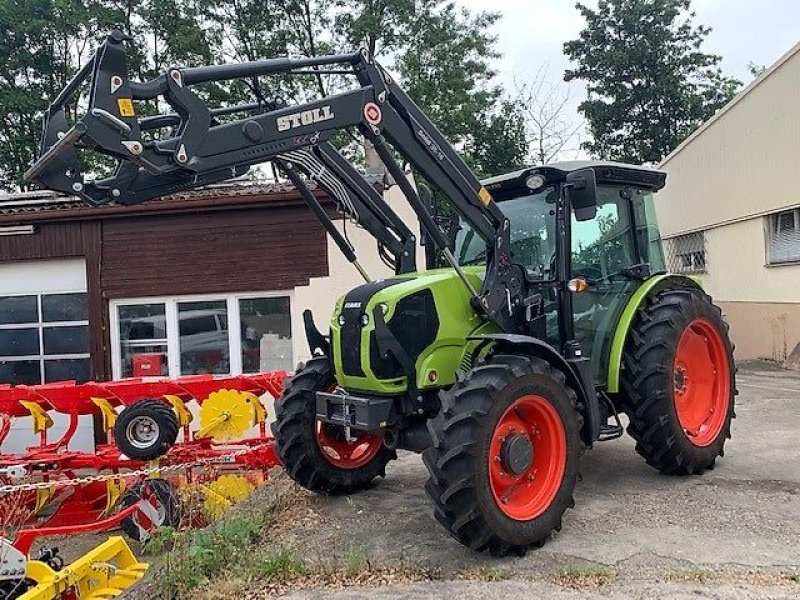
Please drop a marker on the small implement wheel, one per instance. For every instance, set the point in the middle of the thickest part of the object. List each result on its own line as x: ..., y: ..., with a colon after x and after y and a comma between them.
x: 680, y: 416
x: 161, y: 507
x: 319, y: 456
x: 505, y: 452
x: 146, y: 430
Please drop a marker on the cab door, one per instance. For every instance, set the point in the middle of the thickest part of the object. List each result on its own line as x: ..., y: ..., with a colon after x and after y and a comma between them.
x: 602, y: 251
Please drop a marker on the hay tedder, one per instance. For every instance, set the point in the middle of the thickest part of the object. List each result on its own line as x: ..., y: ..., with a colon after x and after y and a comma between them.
x: 152, y: 459
x: 61, y: 487
x: 544, y: 312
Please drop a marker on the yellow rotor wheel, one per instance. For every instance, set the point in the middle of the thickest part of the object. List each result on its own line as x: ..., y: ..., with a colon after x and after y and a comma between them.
x: 223, y: 493
x: 226, y: 415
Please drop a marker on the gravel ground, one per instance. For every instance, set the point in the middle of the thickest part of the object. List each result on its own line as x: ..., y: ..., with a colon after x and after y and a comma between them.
x: 737, y: 528
x: 634, y: 533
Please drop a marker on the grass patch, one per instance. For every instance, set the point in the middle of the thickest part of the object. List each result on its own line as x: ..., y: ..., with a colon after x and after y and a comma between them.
x: 488, y: 573
x: 245, y: 552
x: 698, y: 575
x: 584, y: 577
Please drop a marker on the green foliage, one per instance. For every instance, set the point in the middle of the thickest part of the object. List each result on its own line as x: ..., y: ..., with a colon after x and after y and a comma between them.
x: 491, y: 573
x: 278, y: 566
x: 499, y: 143
x: 649, y: 82
x: 159, y: 541
x: 199, y: 555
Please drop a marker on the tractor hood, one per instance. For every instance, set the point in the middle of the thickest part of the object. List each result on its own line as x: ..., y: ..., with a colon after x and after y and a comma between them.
x: 429, y: 316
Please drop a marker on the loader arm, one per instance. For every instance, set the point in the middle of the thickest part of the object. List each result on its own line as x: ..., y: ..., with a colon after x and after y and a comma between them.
x: 202, y: 146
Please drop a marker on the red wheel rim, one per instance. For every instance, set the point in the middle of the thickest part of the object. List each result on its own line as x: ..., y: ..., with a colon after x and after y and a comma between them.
x: 345, y: 454
x: 701, y: 376
x: 525, y: 490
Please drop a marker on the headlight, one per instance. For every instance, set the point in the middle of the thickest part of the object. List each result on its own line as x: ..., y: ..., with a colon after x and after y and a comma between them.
x: 534, y: 182
x: 365, y: 319
x: 384, y: 308
x: 341, y: 320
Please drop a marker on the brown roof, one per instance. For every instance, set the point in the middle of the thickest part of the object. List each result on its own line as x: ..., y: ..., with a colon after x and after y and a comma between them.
x: 39, y: 206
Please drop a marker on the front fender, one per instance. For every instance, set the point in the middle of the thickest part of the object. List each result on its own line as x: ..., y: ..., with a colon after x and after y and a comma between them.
x: 531, y: 346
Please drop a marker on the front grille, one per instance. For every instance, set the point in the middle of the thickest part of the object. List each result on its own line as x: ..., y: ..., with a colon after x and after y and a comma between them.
x: 350, y: 331
x: 415, y: 325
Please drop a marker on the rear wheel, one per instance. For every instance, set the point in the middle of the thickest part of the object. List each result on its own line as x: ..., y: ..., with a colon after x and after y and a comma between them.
x: 505, y: 452
x: 319, y: 456
x: 679, y: 382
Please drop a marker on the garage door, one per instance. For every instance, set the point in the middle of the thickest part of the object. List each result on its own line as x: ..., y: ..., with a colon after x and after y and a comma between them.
x: 44, y: 336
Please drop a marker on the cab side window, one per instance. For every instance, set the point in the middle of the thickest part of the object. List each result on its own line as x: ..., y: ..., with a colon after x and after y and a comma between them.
x: 602, y: 247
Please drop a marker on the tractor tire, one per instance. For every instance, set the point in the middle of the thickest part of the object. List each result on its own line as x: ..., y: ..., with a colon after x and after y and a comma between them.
x: 164, y: 508
x: 146, y: 430
x: 678, y: 382
x: 505, y: 453
x: 316, y: 455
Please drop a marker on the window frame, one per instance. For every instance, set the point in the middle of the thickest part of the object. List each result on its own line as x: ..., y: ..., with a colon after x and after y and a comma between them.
x: 40, y: 325
x: 172, y: 326
x: 773, y: 219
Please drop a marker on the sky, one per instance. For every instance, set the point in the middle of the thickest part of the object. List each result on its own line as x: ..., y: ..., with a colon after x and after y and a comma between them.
x: 531, y: 33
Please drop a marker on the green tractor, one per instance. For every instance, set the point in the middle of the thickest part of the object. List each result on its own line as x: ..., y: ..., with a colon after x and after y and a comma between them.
x: 502, y: 420
x: 544, y: 312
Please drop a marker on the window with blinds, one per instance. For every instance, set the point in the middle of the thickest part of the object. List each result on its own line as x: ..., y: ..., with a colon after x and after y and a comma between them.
x: 784, y: 237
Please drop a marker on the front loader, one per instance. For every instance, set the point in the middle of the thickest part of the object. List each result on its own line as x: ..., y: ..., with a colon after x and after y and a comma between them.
x: 546, y: 310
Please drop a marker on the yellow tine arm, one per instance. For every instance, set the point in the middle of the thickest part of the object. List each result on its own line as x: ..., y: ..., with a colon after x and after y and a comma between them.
x: 114, y: 490
x: 184, y: 416
x: 108, y: 412
x: 41, y: 420
x: 260, y: 411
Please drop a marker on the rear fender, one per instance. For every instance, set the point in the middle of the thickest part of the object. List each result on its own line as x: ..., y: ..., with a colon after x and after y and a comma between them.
x: 653, y: 285
x: 531, y: 346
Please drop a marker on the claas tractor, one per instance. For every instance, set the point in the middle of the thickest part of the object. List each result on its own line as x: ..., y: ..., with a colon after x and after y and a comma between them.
x: 543, y: 313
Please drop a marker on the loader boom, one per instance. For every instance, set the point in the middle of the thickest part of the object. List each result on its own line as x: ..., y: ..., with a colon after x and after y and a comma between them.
x: 202, y: 147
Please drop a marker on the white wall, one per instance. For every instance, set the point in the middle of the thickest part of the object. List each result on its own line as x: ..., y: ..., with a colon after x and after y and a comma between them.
x: 744, y: 163
x: 737, y: 269
x: 45, y: 276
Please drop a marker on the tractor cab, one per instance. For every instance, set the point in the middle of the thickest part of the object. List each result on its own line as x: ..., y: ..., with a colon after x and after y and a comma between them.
x: 614, y: 245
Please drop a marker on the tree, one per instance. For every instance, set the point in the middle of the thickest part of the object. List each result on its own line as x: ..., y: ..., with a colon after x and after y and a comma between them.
x: 442, y: 55
x: 755, y: 69
x: 500, y: 143
x: 549, y: 129
x: 42, y: 44
x: 649, y: 83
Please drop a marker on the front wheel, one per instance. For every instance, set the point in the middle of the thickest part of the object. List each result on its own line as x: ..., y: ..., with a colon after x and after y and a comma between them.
x: 319, y: 456
x: 679, y: 382
x: 505, y: 452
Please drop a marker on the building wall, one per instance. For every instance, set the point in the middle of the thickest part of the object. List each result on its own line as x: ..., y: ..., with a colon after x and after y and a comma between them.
x: 743, y: 163
x: 725, y: 180
x: 271, y: 248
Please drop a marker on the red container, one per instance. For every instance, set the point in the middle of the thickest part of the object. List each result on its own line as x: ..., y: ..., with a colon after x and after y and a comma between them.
x: 147, y: 365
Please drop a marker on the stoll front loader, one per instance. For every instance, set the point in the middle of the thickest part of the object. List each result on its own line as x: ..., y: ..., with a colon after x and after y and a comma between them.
x: 544, y: 312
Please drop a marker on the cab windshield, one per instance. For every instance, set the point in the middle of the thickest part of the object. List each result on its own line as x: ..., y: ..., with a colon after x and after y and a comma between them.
x: 533, y: 240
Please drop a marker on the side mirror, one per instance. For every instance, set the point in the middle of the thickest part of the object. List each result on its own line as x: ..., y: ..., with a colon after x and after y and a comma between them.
x: 582, y: 190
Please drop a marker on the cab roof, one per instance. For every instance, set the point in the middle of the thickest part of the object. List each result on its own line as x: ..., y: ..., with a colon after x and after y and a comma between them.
x: 605, y: 172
